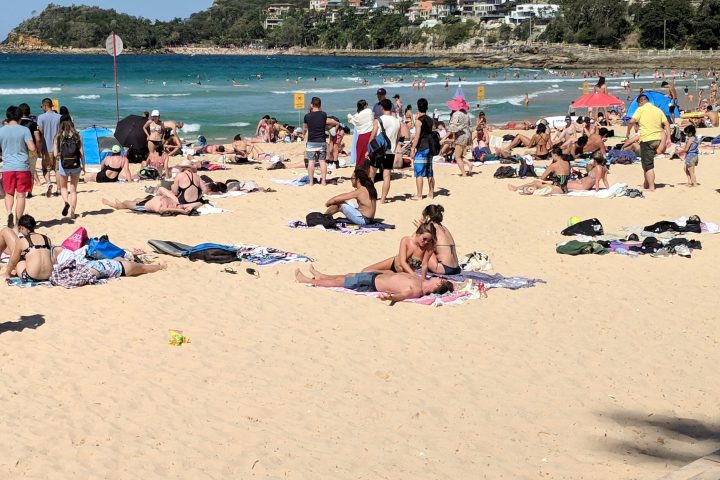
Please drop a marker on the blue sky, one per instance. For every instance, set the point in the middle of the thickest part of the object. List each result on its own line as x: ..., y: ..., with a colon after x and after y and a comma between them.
x: 14, y: 12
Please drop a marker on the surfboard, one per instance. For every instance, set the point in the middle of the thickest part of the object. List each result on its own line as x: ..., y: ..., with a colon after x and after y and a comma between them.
x: 169, y: 248
x: 692, y: 115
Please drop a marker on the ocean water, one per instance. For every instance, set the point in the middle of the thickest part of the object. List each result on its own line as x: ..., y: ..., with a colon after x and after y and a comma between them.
x: 199, y: 89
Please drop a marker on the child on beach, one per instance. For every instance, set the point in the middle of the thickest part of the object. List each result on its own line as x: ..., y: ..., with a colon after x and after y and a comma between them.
x: 689, y: 154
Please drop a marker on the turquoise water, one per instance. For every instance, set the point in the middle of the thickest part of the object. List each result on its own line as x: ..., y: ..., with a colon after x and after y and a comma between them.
x: 198, y: 89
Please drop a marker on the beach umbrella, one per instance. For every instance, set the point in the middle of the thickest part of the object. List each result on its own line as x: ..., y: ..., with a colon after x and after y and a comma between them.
x: 658, y: 99
x: 596, y: 100
x: 129, y: 132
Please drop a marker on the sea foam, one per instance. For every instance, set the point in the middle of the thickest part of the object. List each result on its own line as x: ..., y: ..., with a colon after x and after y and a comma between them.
x: 29, y: 91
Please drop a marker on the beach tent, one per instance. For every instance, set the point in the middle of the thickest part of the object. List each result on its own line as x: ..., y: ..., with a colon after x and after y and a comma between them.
x: 658, y: 99
x: 94, y: 141
x: 597, y: 100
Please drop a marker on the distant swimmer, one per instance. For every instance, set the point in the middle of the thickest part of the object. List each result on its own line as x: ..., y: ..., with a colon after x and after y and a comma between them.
x: 526, y: 101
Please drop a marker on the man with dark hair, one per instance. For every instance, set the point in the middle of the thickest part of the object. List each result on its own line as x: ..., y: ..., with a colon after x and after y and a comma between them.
x: 389, y: 124
x: 652, y: 123
x: 15, y: 143
x: 377, y: 109
x: 316, y: 123
x: 29, y: 121
x: 420, y: 151
x: 394, y: 287
x: 672, y: 93
x: 48, y: 124
x: 364, y: 200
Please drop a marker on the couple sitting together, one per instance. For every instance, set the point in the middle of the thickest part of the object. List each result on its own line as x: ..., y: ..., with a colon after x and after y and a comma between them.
x: 183, y: 197
x: 431, y: 248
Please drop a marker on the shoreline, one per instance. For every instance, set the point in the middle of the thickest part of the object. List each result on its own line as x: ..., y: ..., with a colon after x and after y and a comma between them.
x: 517, y: 56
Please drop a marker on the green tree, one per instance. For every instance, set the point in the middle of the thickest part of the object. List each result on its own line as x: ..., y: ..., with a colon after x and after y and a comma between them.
x: 596, y: 22
x: 671, y: 19
x: 707, y: 25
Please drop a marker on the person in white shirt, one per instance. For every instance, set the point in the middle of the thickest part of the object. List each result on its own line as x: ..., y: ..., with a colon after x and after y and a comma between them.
x: 363, y: 123
x: 391, y: 126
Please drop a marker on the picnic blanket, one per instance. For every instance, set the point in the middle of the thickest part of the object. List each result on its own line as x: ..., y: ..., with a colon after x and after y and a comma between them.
x: 344, y: 226
x: 19, y: 282
x: 303, y: 181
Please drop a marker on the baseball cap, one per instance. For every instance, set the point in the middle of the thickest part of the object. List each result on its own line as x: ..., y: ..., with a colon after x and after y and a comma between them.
x: 155, y: 113
x: 396, y: 96
x: 381, y: 91
x: 116, y: 149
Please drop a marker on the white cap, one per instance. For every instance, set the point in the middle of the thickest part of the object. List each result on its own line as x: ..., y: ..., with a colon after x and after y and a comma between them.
x: 155, y: 113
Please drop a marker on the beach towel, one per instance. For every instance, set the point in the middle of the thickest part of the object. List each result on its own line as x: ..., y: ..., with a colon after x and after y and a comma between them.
x: 226, y: 194
x: 259, y: 255
x: 615, y: 190
x: 344, y: 226
x: 495, y: 281
x: 19, y: 282
x: 431, y: 300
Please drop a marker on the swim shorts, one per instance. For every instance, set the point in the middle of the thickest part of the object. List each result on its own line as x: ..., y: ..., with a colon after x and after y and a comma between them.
x: 361, y: 282
x: 422, y: 165
x: 648, y: 150
x: 20, y: 182
x: 107, y: 268
x: 691, y: 161
x: 315, y: 151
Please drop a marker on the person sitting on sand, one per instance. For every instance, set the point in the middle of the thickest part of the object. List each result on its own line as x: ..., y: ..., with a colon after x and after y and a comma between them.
x: 566, y: 135
x: 171, y: 143
x: 243, y: 149
x: 262, y: 127
x: 444, y: 259
x: 555, y: 175
x: 158, y: 160
x: 364, y: 194
x: 632, y: 143
x: 712, y: 117
x: 596, y: 142
x: 575, y: 148
x: 414, y: 253
x: 541, y: 142
x: 30, y: 252
x: 113, y: 168
x: 187, y: 187
x: 598, y: 173
x: 394, y: 287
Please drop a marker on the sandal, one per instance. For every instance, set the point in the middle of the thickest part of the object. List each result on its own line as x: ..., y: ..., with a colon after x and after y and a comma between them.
x: 253, y: 272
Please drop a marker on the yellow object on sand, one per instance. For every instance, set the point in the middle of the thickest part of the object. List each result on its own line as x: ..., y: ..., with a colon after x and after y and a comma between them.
x: 573, y: 220
x: 692, y: 115
x: 177, y: 338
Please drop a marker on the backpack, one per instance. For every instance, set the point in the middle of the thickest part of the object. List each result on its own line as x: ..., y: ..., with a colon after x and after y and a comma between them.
x: 314, y: 219
x: 504, y: 172
x: 434, y: 143
x: 149, y: 173
x: 70, y: 152
x: 380, y: 144
x: 591, y: 228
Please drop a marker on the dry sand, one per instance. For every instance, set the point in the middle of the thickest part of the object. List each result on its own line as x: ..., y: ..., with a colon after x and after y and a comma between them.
x: 604, y: 372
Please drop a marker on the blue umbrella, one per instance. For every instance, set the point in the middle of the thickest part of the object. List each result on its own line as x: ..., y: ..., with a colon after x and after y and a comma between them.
x: 658, y: 99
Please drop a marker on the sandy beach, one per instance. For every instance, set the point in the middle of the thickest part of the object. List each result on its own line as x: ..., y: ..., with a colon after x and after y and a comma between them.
x: 603, y: 372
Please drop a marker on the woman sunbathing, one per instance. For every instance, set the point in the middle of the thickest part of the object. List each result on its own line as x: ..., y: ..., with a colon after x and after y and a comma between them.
x: 541, y: 142
x: 444, y: 259
x: 30, y: 252
x: 415, y: 252
x: 597, y: 174
x: 555, y: 175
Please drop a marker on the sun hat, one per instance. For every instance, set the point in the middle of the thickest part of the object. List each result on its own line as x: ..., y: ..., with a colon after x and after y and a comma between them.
x: 155, y: 113
x: 458, y: 103
x: 381, y: 91
x: 116, y: 148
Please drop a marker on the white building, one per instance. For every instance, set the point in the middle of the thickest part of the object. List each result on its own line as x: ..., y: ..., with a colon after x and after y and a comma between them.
x: 527, y: 11
x: 274, y: 14
x: 482, y: 9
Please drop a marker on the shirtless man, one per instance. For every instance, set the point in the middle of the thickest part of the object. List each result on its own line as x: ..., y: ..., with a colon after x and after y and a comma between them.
x: 711, y: 116
x: 171, y: 144
x: 672, y: 93
x: 364, y: 194
x: 244, y: 148
x: 394, y: 287
x: 596, y: 141
x: 566, y: 134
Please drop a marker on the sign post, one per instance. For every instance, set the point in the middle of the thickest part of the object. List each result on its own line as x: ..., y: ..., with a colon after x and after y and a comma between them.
x: 299, y: 105
x: 114, y: 46
x: 586, y: 88
x: 481, y: 92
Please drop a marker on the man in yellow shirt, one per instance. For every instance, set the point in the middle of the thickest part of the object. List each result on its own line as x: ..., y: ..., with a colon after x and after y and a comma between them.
x: 652, y: 122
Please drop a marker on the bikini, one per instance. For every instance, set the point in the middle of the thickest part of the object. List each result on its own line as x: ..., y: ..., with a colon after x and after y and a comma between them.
x: 182, y: 190
x: 449, y: 270
x: 561, y: 181
x: 102, y: 175
x: 31, y: 246
x: 414, y: 263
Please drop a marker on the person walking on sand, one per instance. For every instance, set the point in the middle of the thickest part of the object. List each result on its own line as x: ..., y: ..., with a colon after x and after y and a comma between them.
x: 394, y: 287
x: 420, y: 150
x: 315, y: 124
x: 652, y: 123
x: 15, y: 143
x: 30, y: 122
x: 459, y: 127
x: 363, y: 123
x: 390, y: 125
x: 68, y: 149
x: 48, y: 124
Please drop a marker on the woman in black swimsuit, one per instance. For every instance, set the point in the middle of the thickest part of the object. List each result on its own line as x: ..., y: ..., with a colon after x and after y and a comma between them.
x: 188, y: 184
x: 112, y: 168
x: 30, y: 253
x: 415, y: 252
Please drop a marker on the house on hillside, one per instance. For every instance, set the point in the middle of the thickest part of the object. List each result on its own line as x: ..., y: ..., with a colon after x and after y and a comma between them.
x: 527, y: 11
x: 483, y: 10
x: 274, y: 14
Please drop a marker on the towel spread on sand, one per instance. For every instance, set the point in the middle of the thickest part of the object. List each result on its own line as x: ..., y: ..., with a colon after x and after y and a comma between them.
x: 265, y: 256
x: 615, y: 190
x: 256, y: 254
x: 495, y: 281
x: 19, y: 282
x: 454, y: 298
x: 226, y: 194
x: 343, y: 226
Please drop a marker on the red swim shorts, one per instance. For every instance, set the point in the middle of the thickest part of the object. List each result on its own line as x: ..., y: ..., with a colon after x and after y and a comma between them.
x: 20, y: 182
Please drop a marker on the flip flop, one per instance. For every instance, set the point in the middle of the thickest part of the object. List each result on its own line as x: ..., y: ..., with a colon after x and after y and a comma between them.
x: 253, y: 272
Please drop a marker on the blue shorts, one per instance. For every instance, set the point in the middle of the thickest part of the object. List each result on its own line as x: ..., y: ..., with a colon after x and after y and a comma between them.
x: 361, y: 282
x: 353, y: 214
x: 422, y: 165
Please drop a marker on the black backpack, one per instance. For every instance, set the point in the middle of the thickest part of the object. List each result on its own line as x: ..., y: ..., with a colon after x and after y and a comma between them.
x: 504, y: 172
x: 434, y: 143
x: 70, y: 152
x: 314, y: 219
x: 591, y: 228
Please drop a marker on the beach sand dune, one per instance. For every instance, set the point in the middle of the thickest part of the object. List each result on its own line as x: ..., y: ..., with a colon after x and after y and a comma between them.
x: 606, y: 371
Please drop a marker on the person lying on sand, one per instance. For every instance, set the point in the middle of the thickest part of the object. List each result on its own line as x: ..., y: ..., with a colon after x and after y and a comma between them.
x: 207, y: 150
x: 211, y: 187
x: 556, y: 175
x: 414, y: 254
x: 517, y: 125
x: 394, y: 287
x: 162, y: 203
x: 597, y: 173
x: 541, y: 142
x: 107, y: 268
x: 364, y: 194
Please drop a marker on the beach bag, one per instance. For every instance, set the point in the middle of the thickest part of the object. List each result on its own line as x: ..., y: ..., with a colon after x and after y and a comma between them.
x: 476, y: 262
x: 504, y: 172
x: 526, y: 170
x: 149, y: 173
x: 77, y: 240
x: 70, y: 152
x: 102, y: 249
x: 313, y: 219
x: 380, y: 144
x: 590, y: 228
